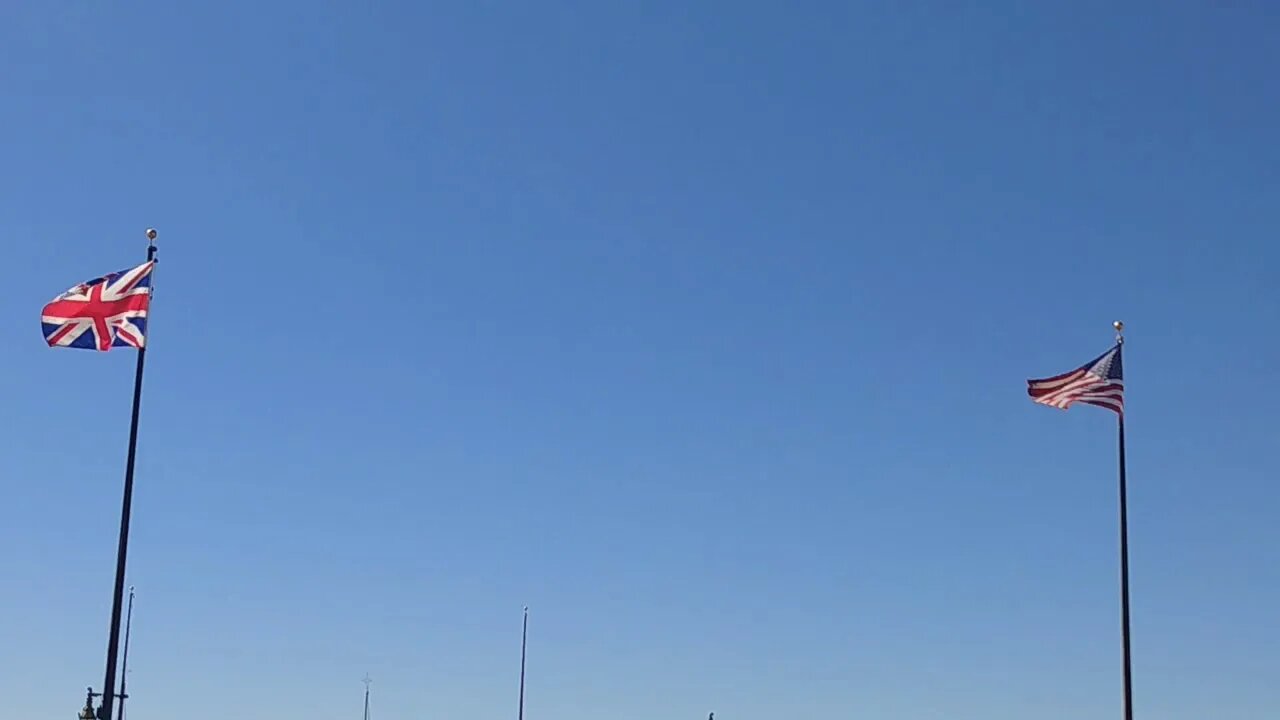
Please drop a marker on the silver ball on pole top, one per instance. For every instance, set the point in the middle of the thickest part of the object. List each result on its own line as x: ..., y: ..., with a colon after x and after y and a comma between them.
x: 151, y: 243
x: 1119, y: 326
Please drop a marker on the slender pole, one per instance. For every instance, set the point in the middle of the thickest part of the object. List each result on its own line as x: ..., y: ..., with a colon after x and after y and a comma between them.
x: 124, y: 661
x: 1124, y: 580
x: 367, y: 681
x: 126, y: 505
x: 524, y: 644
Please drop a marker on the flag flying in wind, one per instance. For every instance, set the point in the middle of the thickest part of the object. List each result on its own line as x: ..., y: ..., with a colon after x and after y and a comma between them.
x: 1099, y: 382
x: 110, y: 311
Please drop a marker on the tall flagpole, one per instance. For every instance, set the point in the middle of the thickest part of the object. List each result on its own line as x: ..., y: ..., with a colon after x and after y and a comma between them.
x: 1124, y: 559
x: 126, y: 505
x: 524, y: 644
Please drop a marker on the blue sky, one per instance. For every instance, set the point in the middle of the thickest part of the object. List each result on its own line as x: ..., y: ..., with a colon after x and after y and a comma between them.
x: 700, y: 330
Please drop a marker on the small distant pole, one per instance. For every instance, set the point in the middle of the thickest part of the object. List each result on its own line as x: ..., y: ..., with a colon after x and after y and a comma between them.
x: 524, y: 644
x: 124, y: 661
x: 367, y: 682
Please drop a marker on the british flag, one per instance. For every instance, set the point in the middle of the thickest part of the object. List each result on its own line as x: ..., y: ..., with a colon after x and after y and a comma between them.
x: 1099, y: 382
x: 110, y: 311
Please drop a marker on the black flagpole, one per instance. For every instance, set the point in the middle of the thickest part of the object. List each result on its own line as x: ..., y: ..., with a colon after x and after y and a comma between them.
x: 524, y: 644
x: 122, y: 551
x: 1124, y: 582
x: 1124, y: 562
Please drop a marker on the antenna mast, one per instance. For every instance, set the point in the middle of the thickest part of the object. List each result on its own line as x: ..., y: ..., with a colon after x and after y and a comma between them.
x: 124, y: 663
x: 524, y: 644
x: 367, y: 682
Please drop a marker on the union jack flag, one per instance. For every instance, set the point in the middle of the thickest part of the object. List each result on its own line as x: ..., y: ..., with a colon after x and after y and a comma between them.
x: 106, y: 312
x: 1099, y: 382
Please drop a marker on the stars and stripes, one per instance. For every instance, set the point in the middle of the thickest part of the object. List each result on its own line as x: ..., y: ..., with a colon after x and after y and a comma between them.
x: 1099, y: 382
x: 110, y: 311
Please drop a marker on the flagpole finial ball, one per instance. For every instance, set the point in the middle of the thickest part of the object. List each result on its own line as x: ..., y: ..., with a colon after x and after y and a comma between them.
x: 151, y: 234
x: 1119, y: 326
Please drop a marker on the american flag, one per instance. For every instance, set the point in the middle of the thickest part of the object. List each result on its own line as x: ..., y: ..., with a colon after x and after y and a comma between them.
x: 1099, y: 382
x: 106, y: 312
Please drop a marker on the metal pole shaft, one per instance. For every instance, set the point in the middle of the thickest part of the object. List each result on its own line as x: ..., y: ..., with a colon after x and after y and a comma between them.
x: 524, y: 644
x: 122, y: 549
x: 1124, y: 581
x: 124, y: 660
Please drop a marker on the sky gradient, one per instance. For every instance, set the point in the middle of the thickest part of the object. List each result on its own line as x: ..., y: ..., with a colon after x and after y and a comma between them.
x: 701, y: 330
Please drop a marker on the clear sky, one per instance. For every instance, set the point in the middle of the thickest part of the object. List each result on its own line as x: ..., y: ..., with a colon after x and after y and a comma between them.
x: 700, y: 328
